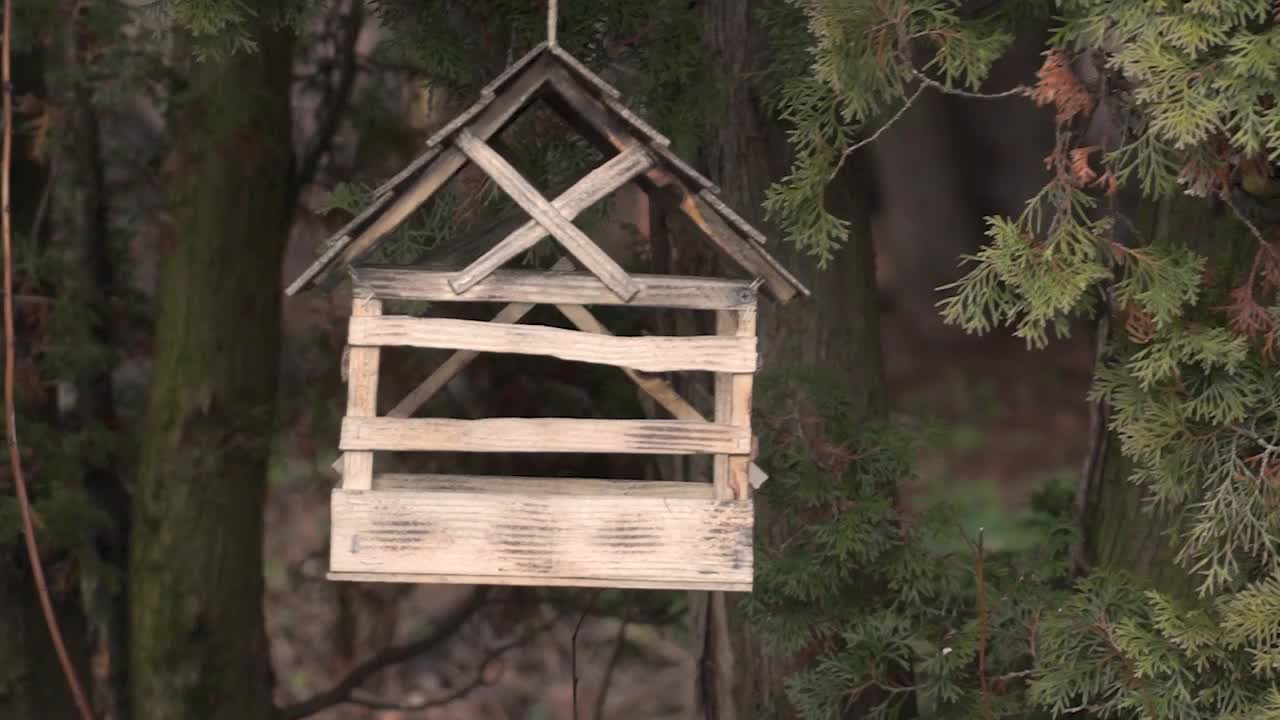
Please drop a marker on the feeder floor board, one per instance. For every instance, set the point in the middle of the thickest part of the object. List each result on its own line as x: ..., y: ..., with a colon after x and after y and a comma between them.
x: 542, y: 531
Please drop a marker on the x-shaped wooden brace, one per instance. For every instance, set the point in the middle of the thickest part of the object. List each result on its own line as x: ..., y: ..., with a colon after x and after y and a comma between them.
x: 556, y: 218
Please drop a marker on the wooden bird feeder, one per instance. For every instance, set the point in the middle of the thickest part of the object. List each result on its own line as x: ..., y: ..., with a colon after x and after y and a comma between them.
x: 549, y: 531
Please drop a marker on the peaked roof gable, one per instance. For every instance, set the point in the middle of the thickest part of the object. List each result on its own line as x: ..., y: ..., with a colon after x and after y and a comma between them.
x: 578, y: 92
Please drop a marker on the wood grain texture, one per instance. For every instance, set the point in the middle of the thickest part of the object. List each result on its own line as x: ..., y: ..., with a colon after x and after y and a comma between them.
x: 739, y: 388
x: 540, y: 286
x: 541, y: 210
x: 525, y: 580
x: 435, y: 173
x: 480, y: 532
x: 521, y: 435
x: 362, y: 396
x: 649, y: 353
x: 496, y: 84
x: 582, y: 72
x: 455, y: 364
x: 508, y: 485
x: 597, y: 185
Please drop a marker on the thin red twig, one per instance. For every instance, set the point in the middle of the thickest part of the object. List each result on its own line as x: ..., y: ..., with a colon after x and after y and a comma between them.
x: 10, y: 416
x: 982, y: 633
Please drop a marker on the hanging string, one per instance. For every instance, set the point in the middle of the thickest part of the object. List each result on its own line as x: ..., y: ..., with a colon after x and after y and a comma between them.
x: 552, y: 18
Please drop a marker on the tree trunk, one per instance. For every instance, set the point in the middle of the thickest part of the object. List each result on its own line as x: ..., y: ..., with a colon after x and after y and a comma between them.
x: 838, y: 328
x: 198, y: 645
x: 1119, y: 530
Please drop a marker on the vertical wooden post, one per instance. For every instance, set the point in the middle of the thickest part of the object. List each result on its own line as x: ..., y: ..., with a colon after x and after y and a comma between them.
x: 731, y: 473
x: 362, y: 397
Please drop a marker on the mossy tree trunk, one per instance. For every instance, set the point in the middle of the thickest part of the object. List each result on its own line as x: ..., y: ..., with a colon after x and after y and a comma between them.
x: 837, y: 329
x: 198, y: 645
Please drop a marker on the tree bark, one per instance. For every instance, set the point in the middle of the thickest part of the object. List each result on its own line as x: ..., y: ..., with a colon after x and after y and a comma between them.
x: 198, y: 645
x: 1119, y: 531
x: 838, y: 328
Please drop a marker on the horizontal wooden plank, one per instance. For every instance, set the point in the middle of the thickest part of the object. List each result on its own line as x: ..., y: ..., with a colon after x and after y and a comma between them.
x: 525, y: 580
x: 607, y: 537
x: 525, y: 435
x: 509, y: 485
x: 650, y: 353
x: 541, y: 286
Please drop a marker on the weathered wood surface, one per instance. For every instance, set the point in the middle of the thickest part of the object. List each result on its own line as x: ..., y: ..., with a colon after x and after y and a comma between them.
x: 540, y: 209
x: 582, y: 72
x: 526, y: 580
x: 437, y: 171
x: 498, y: 82
x: 636, y: 122
x: 509, y: 485
x: 362, y: 396
x: 541, y: 286
x: 732, y: 217
x: 604, y: 537
x: 654, y: 386
x: 521, y: 435
x: 597, y: 185
x: 649, y: 353
x: 586, y: 112
x: 447, y: 371
x: 731, y: 473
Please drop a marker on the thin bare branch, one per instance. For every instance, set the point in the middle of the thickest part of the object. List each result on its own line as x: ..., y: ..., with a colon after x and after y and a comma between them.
x: 10, y: 416
x: 335, y: 104
x: 478, y: 680
x: 346, y: 690
x: 879, y: 131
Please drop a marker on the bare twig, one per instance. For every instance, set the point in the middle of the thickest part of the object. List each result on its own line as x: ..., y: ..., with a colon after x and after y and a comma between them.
x: 573, y: 648
x: 927, y: 81
x: 337, y: 102
x: 607, y: 677
x: 345, y: 691
x: 479, y: 679
x: 10, y: 415
x: 879, y: 131
x: 982, y: 631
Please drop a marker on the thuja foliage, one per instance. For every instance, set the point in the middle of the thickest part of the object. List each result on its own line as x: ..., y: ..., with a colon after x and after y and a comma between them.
x: 1160, y: 222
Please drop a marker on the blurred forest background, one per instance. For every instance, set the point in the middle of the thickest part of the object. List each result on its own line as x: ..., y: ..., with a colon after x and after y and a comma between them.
x: 964, y: 518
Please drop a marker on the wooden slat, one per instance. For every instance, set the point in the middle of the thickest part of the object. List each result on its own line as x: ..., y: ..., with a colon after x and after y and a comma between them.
x: 526, y: 580
x: 362, y: 396
x: 597, y: 185
x: 582, y: 72
x: 437, y: 171
x: 655, y: 386
x: 733, y: 218
x: 496, y: 84
x: 541, y: 210
x: 587, y: 113
x: 412, y: 168
x: 731, y: 472
x: 581, y: 536
x: 649, y: 353
x: 509, y: 485
x: 636, y: 122
x: 447, y: 371
x: 577, y: 288
x: 458, y: 361
x: 542, y: 435
x: 448, y: 129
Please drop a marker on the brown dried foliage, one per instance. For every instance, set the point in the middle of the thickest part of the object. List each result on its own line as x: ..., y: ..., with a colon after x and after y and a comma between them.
x: 1058, y: 86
